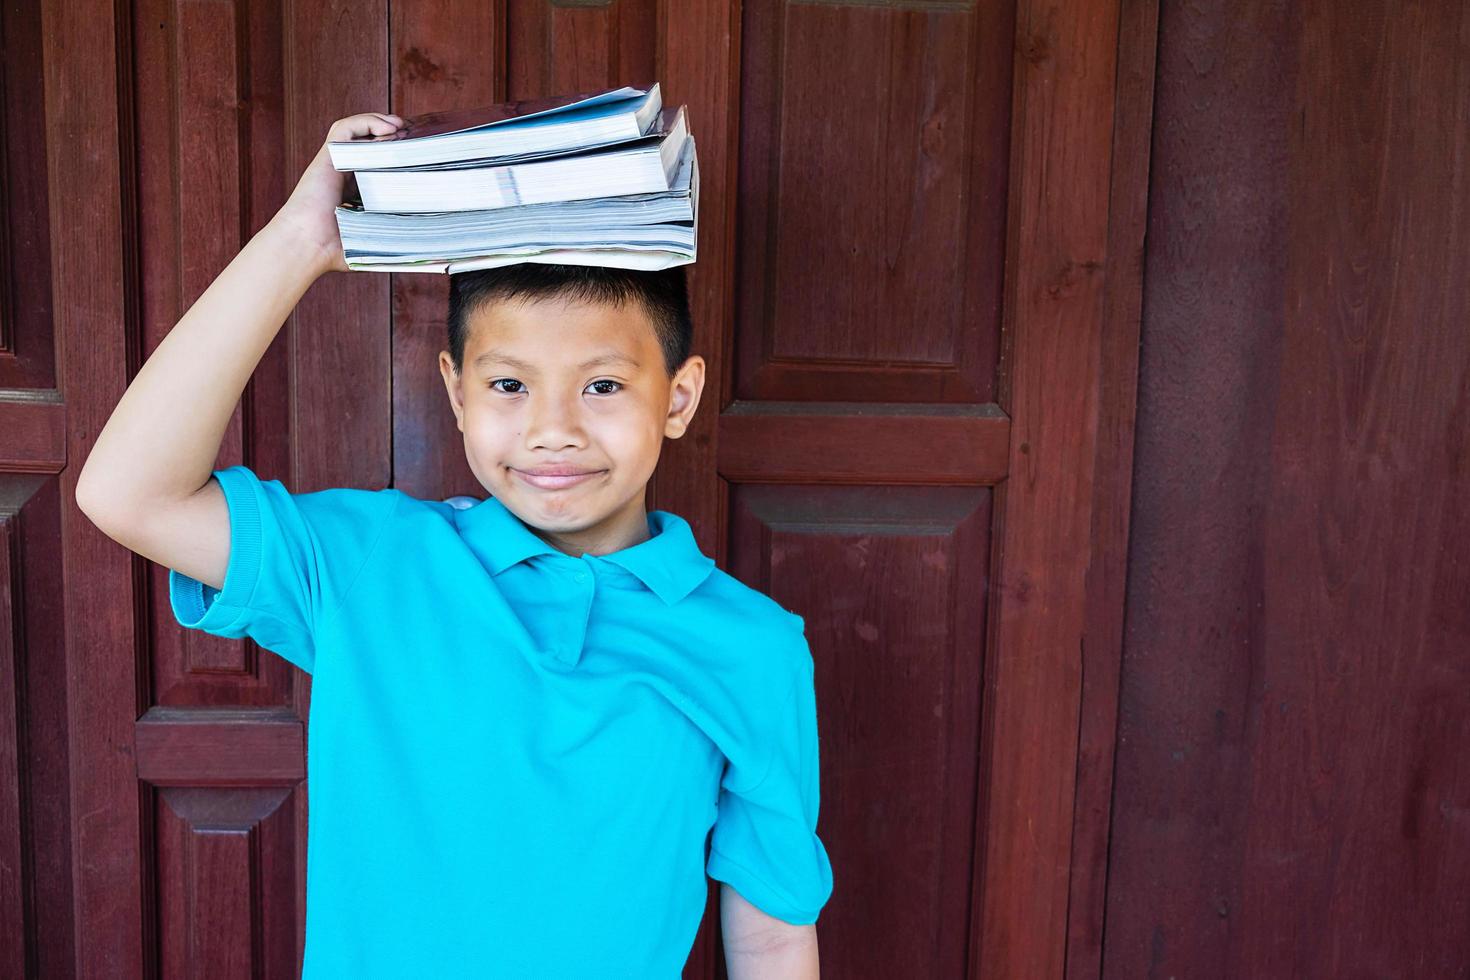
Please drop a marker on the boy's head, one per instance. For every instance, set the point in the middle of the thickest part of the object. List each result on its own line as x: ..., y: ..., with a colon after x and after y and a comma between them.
x: 571, y: 369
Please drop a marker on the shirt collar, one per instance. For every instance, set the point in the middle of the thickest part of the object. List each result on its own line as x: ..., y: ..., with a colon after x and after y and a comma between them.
x: 668, y: 562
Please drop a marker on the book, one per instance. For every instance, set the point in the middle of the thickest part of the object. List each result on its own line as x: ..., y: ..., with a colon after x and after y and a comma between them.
x: 641, y: 167
x: 604, y: 178
x: 507, y: 130
x: 642, y: 231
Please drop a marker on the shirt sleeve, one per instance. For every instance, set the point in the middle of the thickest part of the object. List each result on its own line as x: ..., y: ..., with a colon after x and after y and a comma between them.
x: 293, y: 558
x: 764, y: 842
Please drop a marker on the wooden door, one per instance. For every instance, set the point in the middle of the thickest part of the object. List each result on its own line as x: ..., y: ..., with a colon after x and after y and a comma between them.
x: 919, y: 309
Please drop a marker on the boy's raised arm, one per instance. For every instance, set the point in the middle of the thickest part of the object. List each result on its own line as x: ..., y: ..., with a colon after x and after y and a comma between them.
x: 146, y: 482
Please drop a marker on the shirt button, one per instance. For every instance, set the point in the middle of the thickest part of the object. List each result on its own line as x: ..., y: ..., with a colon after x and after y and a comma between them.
x: 581, y: 576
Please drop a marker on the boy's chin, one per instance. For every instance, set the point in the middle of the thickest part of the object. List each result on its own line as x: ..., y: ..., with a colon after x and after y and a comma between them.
x: 571, y: 511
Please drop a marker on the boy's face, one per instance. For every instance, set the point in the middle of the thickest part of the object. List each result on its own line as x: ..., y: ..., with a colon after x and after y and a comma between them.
x: 532, y: 404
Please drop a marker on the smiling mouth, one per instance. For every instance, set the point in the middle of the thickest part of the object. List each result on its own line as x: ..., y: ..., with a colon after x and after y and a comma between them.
x: 548, y: 482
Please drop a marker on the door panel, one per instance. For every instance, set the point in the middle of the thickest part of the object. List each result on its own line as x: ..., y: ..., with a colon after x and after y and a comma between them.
x: 873, y: 156
x: 891, y: 583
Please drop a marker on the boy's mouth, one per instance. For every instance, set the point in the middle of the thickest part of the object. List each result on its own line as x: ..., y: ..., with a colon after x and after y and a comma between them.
x: 555, y: 477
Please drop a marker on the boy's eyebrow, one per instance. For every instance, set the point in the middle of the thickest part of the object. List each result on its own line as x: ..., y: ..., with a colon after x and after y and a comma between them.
x: 494, y: 356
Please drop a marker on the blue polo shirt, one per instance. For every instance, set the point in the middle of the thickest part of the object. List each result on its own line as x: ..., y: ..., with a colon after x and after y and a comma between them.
x: 522, y: 763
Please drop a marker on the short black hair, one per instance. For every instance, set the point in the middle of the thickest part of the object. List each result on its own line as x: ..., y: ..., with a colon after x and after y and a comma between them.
x: 664, y: 294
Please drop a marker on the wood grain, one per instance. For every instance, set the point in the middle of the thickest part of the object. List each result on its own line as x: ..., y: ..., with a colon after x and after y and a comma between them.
x: 1292, y: 793
x: 1055, y: 324
x: 96, y: 319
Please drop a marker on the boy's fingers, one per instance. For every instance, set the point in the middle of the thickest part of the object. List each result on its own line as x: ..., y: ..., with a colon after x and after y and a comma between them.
x: 364, y: 124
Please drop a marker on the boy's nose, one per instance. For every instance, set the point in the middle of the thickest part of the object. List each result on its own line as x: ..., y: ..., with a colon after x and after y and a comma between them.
x: 554, y: 423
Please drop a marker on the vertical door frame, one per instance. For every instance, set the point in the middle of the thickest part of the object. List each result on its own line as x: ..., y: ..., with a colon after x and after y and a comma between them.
x: 1082, y: 114
x: 698, y: 60
x: 94, y: 264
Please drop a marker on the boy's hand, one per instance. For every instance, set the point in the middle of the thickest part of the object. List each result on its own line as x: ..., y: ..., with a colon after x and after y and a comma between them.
x: 311, y: 209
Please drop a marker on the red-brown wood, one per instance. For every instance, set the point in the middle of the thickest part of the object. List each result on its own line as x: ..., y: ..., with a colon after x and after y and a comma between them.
x: 36, y: 887
x: 873, y: 171
x: 35, y: 431
x: 697, y: 45
x: 889, y: 580
x: 88, y: 168
x: 221, y: 747
x: 14, y: 847
x: 857, y: 442
x: 1055, y: 324
x: 447, y: 54
x: 884, y: 186
x: 1292, y: 795
x: 27, y: 361
x: 1106, y: 577
x: 37, y: 921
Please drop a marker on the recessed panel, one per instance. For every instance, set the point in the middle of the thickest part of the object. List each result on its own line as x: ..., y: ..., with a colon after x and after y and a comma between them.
x: 873, y: 150
x: 891, y: 582
x: 27, y: 350
x: 210, y: 130
x: 228, y: 881
x: 36, y: 795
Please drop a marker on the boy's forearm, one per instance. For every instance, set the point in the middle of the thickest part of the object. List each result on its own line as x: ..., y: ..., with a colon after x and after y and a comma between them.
x: 787, y: 960
x: 163, y: 438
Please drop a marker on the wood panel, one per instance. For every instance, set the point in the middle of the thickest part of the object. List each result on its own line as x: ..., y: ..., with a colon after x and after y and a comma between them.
x: 336, y: 64
x: 92, y: 266
x: 233, y: 100
x: 858, y: 442
x: 1054, y: 493
x: 214, y: 920
x: 27, y: 356
x: 860, y: 300
x: 1292, y: 790
x: 1107, y: 569
x: 36, y: 888
x: 581, y: 46
x: 209, y: 164
x: 38, y: 891
x: 697, y: 44
x: 447, y: 54
x: 890, y: 580
x: 873, y: 170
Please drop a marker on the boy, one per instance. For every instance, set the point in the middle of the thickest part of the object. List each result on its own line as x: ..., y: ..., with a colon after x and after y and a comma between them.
x: 529, y: 715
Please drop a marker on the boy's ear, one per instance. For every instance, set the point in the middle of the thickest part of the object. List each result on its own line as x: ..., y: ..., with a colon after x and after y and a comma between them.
x: 452, y: 384
x: 684, y: 391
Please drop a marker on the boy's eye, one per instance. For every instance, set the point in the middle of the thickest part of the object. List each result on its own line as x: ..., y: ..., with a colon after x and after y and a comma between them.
x: 515, y: 391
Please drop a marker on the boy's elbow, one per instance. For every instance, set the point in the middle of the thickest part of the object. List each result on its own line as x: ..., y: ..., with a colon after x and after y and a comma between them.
x: 85, y: 497
x: 97, y: 505
x: 90, y: 498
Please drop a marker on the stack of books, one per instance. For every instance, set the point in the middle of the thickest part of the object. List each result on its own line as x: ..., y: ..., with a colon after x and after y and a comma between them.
x: 607, y: 178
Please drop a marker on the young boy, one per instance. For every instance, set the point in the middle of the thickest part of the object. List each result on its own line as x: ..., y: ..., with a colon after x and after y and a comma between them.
x: 528, y: 716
